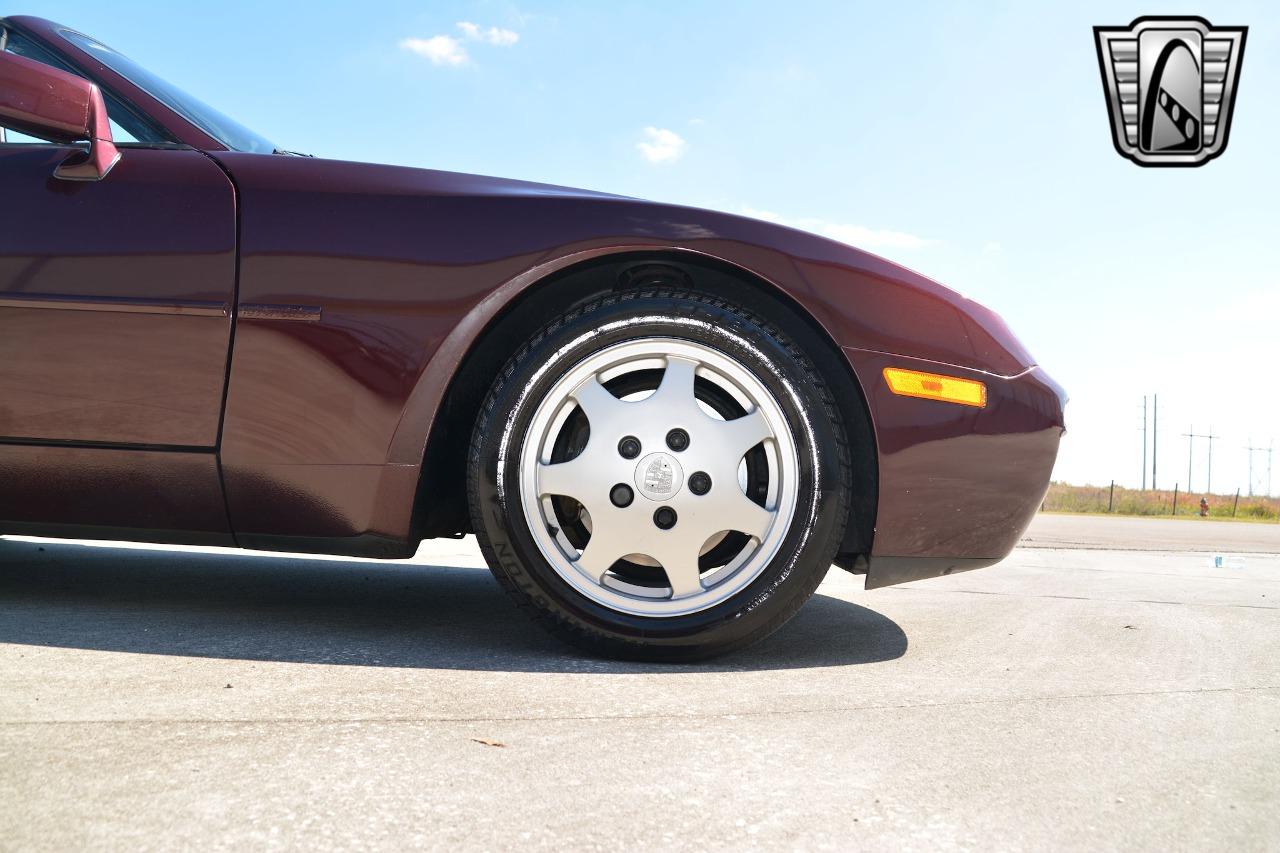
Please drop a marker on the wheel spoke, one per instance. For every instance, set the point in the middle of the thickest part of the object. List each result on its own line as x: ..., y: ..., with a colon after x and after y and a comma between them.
x: 750, y: 518
x: 603, y: 410
x: 605, y: 547
x: 595, y: 561
x: 570, y: 479
x: 676, y: 388
x: 679, y: 558
x: 729, y: 509
x: 684, y: 579
x: 741, y: 434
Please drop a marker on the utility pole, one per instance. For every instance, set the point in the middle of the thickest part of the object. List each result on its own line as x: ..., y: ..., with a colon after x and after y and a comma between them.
x: 1208, y: 485
x: 1191, y: 436
x: 1191, y: 449
x: 1155, y: 436
x: 1249, y: 447
x: 1144, y: 442
x: 1269, y: 441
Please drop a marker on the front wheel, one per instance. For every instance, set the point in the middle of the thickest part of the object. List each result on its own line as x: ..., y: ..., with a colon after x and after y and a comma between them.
x: 659, y: 475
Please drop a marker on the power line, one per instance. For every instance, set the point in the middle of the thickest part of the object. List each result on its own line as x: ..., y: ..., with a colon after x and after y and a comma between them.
x: 1155, y: 436
x: 1251, y: 449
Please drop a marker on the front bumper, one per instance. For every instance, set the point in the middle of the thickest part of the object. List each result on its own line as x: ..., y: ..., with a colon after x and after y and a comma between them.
x: 958, y: 485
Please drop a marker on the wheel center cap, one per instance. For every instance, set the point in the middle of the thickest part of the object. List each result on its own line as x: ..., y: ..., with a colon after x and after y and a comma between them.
x: 659, y: 476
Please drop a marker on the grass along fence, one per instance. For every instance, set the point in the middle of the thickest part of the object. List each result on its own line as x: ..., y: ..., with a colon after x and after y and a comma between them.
x: 1063, y: 497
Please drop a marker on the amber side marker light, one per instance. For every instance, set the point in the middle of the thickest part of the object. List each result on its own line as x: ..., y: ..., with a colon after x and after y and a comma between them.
x: 931, y: 386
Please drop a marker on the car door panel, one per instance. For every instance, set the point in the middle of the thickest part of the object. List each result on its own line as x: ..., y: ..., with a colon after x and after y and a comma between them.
x: 115, y: 299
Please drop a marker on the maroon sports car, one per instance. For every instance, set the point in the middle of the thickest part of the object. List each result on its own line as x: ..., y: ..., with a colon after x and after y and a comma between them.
x: 662, y: 424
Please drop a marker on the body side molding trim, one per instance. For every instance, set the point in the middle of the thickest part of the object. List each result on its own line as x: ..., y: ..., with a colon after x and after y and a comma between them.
x: 103, y: 445
x: 263, y: 311
x: 114, y: 304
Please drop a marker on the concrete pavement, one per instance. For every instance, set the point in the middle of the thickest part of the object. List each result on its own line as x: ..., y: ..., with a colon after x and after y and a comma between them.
x: 1068, y: 698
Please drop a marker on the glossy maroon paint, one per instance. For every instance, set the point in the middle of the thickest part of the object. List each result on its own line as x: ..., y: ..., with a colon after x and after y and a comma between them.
x: 364, y: 289
x: 115, y: 324
x: 958, y: 481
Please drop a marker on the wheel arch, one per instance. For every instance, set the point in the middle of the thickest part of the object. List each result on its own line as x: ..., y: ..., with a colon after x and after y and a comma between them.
x: 439, y: 417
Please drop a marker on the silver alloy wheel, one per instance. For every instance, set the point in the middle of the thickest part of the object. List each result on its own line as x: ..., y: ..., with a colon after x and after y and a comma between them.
x: 658, y: 477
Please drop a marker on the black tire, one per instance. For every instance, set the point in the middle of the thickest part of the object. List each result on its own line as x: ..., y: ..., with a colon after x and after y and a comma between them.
x: 807, y: 550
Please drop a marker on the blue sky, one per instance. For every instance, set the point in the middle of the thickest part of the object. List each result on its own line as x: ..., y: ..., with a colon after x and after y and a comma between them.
x: 970, y: 144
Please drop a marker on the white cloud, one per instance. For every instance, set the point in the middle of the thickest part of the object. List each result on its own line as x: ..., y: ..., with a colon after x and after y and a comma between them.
x: 441, y: 50
x: 661, y: 145
x: 447, y: 50
x: 492, y: 35
x: 855, y: 235
x: 992, y: 248
x: 880, y: 238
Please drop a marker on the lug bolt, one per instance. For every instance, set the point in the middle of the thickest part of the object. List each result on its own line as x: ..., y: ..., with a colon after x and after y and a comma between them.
x: 677, y: 440
x: 629, y: 447
x: 621, y: 495
x: 699, y: 482
x: 664, y: 517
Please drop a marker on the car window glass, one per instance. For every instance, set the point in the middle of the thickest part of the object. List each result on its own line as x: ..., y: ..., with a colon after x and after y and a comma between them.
x: 229, y: 132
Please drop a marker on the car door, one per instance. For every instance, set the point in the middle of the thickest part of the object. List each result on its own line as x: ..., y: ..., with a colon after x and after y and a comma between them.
x: 116, y: 303
x: 115, y: 298
x: 115, y: 295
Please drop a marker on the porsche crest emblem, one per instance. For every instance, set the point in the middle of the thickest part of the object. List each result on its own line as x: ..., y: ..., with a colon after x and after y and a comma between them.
x: 659, y: 476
